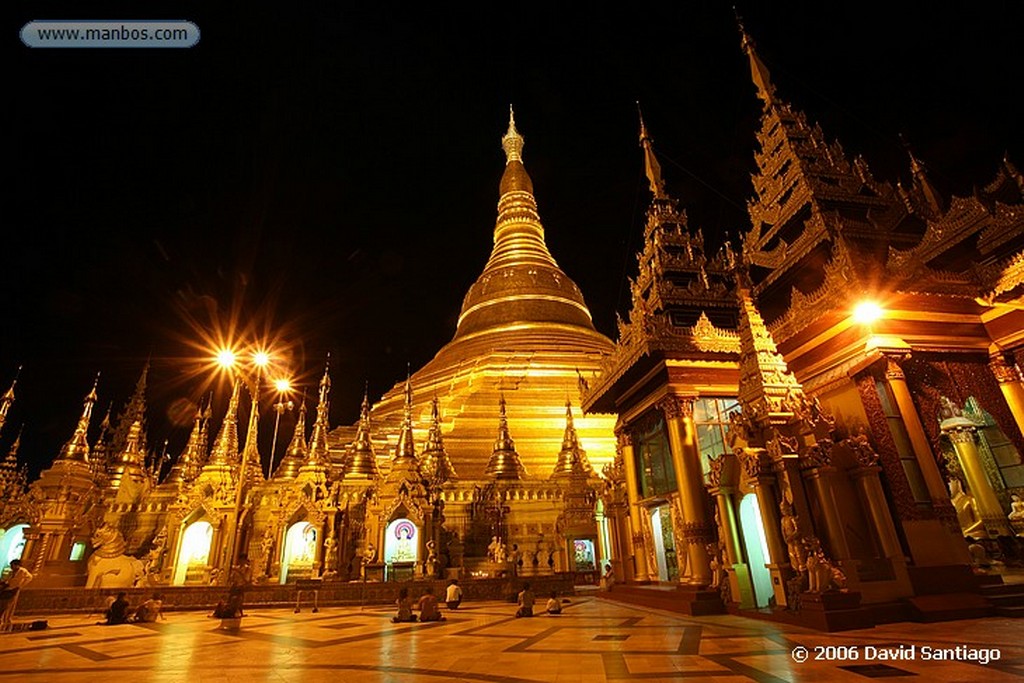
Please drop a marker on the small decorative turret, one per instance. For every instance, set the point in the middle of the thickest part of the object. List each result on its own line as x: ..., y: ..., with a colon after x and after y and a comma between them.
x: 131, y: 461
x: 77, y: 448
x: 434, y: 462
x: 651, y: 166
x: 758, y: 71
x: 572, y: 459
x: 405, y: 451
x: 7, y: 399
x: 251, y: 451
x: 297, y: 452
x: 225, y: 446
x: 363, y: 461
x: 190, y: 461
x: 504, y: 462
x: 11, y: 483
x: 319, y: 457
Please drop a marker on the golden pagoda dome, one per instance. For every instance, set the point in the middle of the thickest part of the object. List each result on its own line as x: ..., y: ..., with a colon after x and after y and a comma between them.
x: 524, y: 331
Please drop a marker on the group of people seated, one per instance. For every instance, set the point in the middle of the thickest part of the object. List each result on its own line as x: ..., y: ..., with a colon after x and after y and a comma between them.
x: 120, y: 612
x: 527, y: 599
x: 427, y: 605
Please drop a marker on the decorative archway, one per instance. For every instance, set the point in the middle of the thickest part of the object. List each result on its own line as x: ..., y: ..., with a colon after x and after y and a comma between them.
x: 299, y: 551
x: 12, y: 544
x: 193, y: 559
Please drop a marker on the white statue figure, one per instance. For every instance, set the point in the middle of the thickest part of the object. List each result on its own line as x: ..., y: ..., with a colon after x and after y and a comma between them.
x: 431, y: 562
x: 966, y: 510
x: 494, y: 550
x: 1016, y: 509
x: 108, y: 565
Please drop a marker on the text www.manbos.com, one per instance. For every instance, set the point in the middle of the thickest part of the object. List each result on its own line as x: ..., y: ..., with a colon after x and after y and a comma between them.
x: 72, y: 34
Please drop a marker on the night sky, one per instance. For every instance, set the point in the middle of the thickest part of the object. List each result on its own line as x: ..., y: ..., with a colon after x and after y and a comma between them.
x: 327, y: 178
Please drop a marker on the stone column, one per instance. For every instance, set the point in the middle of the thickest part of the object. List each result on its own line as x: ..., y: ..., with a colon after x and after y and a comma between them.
x: 682, y: 439
x: 639, y: 551
x: 961, y: 432
x: 915, y: 430
x: 1012, y: 386
x: 867, y: 481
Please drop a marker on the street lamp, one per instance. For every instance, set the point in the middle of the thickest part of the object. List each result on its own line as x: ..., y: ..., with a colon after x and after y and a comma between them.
x: 283, y: 386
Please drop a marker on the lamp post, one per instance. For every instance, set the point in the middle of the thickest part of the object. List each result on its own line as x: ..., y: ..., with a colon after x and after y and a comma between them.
x: 283, y: 386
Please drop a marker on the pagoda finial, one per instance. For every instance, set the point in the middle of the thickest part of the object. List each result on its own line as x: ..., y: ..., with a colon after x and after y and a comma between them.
x: 512, y: 142
x: 10, y: 484
x: 405, y: 451
x: 363, y: 461
x: 7, y: 399
x: 225, y: 446
x: 319, y: 452
x: 504, y: 462
x: 187, y: 467
x: 297, y: 452
x: 77, y: 448
x: 435, y: 462
x: 572, y: 460
x: 651, y: 166
x: 758, y: 71
x: 931, y: 195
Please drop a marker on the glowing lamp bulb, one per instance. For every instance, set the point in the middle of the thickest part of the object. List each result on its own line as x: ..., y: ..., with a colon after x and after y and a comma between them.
x: 261, y: 358
x: 867, y: 312
x: 226, y: 358
x: 282, y: 385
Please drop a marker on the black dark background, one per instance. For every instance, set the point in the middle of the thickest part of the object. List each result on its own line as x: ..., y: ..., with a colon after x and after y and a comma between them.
x: 325, y: 177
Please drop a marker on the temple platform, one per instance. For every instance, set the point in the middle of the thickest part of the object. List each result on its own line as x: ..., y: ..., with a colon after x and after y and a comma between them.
x: 591, y: 641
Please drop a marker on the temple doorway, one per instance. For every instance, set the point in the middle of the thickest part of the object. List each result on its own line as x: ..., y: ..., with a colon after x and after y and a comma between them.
x: 12, y: 544
x: 756, y: 546
x: 299, y: 552
x: 664, y: 543
x: 192, y: 565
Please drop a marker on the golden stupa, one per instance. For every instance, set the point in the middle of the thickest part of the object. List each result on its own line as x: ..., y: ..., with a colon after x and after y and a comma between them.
x: 524, y: 334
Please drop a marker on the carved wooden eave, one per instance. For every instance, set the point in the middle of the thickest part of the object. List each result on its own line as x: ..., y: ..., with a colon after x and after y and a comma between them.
x: 1004, y: 282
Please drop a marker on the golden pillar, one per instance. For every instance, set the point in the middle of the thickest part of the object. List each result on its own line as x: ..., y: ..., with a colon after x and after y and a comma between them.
x: 822, y: 487
x: 638, y: 549
x: 1012, y: 386
x: 915, y: 430
x: 738, y: 573
x: 682, y: 439
x: 867, y: 480
x: 960, y: 431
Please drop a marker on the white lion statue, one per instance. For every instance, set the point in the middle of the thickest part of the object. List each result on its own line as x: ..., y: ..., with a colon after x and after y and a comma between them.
x: 108, y: 566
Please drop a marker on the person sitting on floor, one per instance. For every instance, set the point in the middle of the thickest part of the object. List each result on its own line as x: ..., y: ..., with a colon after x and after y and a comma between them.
x: 117, y: 613
x: 553, y: 606
x: 453, y: 595
x: 428, y: 606
x: 526, y: 600
x: 404, y: 607
x: 151, y: 610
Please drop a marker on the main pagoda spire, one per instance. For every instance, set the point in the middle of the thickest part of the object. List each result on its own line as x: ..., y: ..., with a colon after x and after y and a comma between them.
x: 77, y: 448
x: 521, y: 283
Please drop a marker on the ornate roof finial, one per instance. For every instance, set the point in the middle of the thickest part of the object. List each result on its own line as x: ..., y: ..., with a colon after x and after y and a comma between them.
x: 651, y: 166
x: 572, y: 459
x: 512, y: 142
x: 298, y: 451
x: 319, y: 452
x: 405, y: 451
x: 225, y: 446
x: 77, y: 448
x: 435, y: 462
x: 187, y: 467
x: 504, y: 462
x: 758, y: 71
x: 931, y: 195
x: 7, y: 399
x: 363, y: 461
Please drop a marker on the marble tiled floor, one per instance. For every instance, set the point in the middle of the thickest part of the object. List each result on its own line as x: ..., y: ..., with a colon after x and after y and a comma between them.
x: 592, y: 640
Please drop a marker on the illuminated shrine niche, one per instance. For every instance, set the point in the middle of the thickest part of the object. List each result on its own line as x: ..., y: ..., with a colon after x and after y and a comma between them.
x: 12, y: 544
x: 194, y: 554
x: 401, y: 543
x: 299, y: 551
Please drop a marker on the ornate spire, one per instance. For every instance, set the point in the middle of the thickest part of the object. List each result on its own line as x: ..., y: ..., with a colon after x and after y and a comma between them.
x: 77, y: 448
x: 758, y: 71
x: 434, y: 462
x: 504, y: 462
x: 10, y: 476
x: 225, y: 447
x: 512, y: 142
x: 251, y: 451
x: 7, y: 399
x: 131, y: 461
x: 189, y: 462
x: 572, y: 460
x: 363, y: 461
x: 651, y: 166
x: 520, y: 268
x: 134, y: 410
x: 298, y: 451
x: 319, y: 453
x: 405, y: 451
x: 932, y: 199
